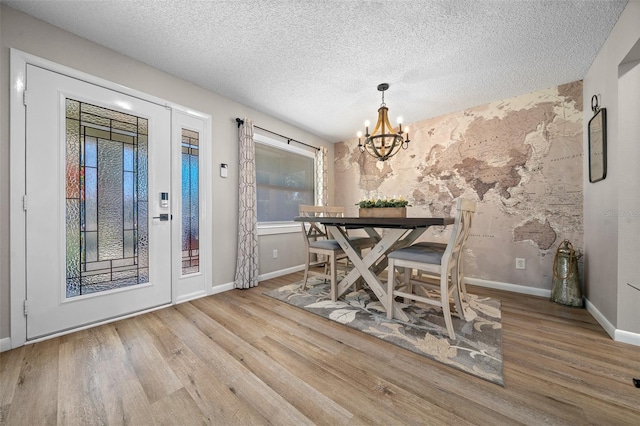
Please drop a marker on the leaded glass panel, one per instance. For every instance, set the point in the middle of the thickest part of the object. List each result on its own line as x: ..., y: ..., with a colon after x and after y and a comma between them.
x: 106, y: 186
x: 190, y: 202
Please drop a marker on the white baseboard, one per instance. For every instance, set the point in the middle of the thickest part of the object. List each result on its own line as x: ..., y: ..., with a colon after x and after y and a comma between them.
x: 616, y: 334
x: 5, y: 344
x: 627, y: 337
x: 604, y: 322
x: 221, y: 288
x: 514, y: 288
x: 281, y: 272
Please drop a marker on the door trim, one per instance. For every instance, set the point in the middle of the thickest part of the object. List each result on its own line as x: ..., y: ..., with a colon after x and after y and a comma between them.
x: 191, y: 287
x: 17, y: 174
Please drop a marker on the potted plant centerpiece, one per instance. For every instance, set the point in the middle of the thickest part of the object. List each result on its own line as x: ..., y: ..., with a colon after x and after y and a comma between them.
x: 387, y: 207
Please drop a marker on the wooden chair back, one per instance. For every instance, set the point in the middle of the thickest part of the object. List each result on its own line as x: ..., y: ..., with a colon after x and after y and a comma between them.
x: 334, y: 211
x: 465, y: 210
x: 312, y: 231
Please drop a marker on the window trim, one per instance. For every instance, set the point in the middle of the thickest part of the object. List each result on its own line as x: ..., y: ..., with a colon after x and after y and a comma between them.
x: 283, y: 227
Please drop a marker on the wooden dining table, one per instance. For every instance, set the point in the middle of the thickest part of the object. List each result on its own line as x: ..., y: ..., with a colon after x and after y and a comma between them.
x: 390, y: 234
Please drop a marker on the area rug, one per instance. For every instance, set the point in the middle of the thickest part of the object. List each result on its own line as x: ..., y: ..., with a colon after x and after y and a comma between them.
x: 477, y: 349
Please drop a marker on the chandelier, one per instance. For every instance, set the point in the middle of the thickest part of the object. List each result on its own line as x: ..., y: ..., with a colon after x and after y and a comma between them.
x: 383, y: 143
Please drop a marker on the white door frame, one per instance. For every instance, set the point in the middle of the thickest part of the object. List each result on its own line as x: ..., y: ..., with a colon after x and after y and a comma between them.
x: 192, y: 286
x: 17, y: 173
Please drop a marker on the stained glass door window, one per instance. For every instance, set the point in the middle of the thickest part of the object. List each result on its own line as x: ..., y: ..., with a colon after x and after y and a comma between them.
x: 106, y: 199
x: 190, y: 202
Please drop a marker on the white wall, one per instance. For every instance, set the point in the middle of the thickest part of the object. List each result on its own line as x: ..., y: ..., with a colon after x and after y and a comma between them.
x: 612, y: 206
x: 30, y: 35
x: 629, y: 198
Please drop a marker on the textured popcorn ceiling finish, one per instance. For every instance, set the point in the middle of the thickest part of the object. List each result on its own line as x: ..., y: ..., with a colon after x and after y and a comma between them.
x: 316, y: 64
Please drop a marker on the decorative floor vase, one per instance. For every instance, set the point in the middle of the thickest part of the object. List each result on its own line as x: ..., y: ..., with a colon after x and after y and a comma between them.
x: 566, y: 280
x: 384, y: 212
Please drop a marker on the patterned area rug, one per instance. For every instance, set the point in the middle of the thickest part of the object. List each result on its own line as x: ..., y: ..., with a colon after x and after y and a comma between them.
x: 476, y: 350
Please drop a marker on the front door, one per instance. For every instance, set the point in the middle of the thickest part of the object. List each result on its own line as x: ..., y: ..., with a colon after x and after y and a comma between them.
x: 98, y: 227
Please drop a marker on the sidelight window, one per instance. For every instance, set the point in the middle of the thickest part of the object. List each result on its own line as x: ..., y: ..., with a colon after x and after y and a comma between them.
x: 190, y: 200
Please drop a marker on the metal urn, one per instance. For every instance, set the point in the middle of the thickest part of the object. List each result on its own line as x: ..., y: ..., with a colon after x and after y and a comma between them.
x: 566, y: 280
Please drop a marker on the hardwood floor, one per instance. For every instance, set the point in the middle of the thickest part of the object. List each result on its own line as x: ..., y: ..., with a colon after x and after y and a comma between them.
x: 243, y: 358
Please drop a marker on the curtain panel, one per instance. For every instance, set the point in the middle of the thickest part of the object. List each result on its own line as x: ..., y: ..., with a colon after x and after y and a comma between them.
x: 322, y: 173
x: 247, y: 264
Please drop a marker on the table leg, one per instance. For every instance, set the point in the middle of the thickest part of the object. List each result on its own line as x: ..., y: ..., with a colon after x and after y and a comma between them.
x: 362, y: 265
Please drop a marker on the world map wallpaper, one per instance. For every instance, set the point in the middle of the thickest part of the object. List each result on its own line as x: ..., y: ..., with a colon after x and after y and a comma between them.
x: 519, y: 158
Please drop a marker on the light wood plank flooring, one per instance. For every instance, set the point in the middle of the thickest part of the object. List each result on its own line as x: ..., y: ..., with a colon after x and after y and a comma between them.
x: 243, y: 358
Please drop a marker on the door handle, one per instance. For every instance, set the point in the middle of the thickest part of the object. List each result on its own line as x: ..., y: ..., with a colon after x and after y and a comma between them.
x: 163, y: 217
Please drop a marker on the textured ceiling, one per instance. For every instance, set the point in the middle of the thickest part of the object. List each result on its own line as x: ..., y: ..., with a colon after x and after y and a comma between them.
x: 316, y: 64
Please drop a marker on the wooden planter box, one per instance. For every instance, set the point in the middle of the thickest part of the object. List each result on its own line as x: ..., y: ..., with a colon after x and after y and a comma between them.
x: 384, y: 212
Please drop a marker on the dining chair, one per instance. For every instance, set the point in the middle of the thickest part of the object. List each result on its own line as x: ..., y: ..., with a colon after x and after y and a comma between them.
x: 442, y: 269
x: 458, y: 270
x: 360, y: 242
x: 329, y: 254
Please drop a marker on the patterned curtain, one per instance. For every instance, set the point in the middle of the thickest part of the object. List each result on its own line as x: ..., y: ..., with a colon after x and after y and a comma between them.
x: 247, y: 264
x: 322, y: 173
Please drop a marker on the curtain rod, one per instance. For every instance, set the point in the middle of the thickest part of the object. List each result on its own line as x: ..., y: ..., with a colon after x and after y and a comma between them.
x: 289, y: 140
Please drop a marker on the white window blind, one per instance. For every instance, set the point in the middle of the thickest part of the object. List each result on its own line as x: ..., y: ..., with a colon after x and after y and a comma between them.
x: 285, y: 179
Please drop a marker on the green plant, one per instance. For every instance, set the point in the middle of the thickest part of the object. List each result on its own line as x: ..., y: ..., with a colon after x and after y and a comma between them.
x: 379, y: 203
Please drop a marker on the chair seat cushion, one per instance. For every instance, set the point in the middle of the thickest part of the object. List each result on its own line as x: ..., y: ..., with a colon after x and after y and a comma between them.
x: 325, y: 244
x: 417, y: 253
x: 432, y: 245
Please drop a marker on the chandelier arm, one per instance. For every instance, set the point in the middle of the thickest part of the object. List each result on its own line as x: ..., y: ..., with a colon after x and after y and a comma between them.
x: 380, y: 120
x: 388, y: 124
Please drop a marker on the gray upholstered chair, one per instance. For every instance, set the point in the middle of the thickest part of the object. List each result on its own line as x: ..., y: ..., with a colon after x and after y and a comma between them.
x: 439, y: 270
x: 327, y: 251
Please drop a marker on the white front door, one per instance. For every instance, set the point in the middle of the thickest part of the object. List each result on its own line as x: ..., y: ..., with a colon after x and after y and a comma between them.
x: 97, y: 162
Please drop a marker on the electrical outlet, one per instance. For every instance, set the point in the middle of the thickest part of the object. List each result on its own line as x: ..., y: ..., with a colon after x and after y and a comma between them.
x: 520, y: 263
x: 275, y: 253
